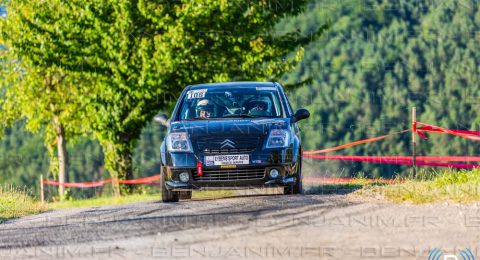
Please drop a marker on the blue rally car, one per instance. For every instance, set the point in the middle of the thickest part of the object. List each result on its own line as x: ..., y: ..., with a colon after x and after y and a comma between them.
x: 232, y: 135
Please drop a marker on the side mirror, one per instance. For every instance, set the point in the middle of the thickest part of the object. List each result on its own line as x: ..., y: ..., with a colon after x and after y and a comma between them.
x: 300, y: 114
x: 162, y: 120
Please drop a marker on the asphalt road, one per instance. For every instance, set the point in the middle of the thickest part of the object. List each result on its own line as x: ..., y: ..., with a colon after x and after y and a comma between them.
x: 313, y: 226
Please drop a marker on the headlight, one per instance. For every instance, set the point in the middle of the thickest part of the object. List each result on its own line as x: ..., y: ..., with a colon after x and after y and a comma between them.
x: 178, y: 142
x: 274, y: 173
x: 184, y: 176
x: 277, y: 139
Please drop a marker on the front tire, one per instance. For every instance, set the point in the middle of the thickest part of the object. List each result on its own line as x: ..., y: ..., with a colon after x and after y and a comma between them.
x: 167, y: 195
x: 297, y: 187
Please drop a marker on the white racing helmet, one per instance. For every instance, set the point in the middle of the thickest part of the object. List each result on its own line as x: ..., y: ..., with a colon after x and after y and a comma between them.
x: 205, y: 108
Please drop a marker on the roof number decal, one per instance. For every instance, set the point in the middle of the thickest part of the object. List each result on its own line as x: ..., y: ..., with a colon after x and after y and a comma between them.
x: 198, y: 93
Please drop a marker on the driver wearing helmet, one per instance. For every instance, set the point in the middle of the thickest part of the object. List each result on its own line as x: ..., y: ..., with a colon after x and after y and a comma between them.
x: 205, y: 108
x: 259, y: 107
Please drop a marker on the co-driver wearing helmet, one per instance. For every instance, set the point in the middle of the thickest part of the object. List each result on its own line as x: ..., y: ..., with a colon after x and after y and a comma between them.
x: 259, y: 107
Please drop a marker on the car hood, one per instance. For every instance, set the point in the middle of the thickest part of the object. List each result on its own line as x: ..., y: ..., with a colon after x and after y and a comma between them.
x: 229, y: 127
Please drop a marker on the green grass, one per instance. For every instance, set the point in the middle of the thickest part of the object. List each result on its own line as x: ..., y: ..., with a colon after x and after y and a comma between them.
x: 15, y: 202
x: 459, y: 186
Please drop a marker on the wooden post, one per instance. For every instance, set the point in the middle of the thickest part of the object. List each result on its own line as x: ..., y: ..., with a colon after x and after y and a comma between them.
x: 414, y: 141
x: 42, y: 192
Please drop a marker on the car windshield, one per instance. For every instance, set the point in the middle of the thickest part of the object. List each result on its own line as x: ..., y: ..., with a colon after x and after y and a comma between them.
x: 225, y: 102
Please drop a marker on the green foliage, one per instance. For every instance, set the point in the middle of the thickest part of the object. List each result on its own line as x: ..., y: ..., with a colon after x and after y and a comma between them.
x: 47, y: 98
x: 380, y: 58
x: 138, y: 51
x: 44, y: 99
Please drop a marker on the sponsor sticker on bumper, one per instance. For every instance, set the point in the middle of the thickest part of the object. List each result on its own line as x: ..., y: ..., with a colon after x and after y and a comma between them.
x: 230, y: 159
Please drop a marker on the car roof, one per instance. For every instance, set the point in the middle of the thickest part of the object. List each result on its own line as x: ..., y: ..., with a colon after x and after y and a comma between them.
x: 234, y: 84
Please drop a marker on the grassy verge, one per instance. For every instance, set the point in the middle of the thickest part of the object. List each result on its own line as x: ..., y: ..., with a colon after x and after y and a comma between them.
x: 15, y: 202
x: 460, y: 186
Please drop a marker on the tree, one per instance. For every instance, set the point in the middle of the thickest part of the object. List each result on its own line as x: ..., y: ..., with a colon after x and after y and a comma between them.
x: 141, y: 53
x: 47, y: 99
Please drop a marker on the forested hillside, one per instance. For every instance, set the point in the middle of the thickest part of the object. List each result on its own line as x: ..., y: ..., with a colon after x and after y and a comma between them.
x: 378, y: 59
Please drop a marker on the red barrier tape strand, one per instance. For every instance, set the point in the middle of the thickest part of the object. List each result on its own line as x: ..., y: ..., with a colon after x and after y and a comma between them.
x: 472, y: 135
x: 391, y: 160
x: 331, y: 149
x: 78, y: 184
x: 399, y: 158
x: 145, y: 180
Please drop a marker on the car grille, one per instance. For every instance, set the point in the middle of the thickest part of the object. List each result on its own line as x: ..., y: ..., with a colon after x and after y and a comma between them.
x: 230, y: 174
x: 227, y: 151
x: 213, y: 145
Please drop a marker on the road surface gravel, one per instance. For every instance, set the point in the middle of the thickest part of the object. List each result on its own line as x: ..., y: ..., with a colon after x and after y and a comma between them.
x: 269, y: 226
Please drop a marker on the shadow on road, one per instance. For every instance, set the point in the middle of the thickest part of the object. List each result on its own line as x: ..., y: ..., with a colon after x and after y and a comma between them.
x: 340, y: 188
x: 309, y: 189
x: 233, y: 196
x: 332, y: 189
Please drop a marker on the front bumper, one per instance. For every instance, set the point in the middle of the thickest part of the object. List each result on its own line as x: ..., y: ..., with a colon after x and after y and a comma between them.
x: 228, y: 180
x: 180, y: 186
x: 252, y: 175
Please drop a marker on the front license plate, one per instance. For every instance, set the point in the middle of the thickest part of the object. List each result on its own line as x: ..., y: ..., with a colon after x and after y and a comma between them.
x: 232, y: 159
